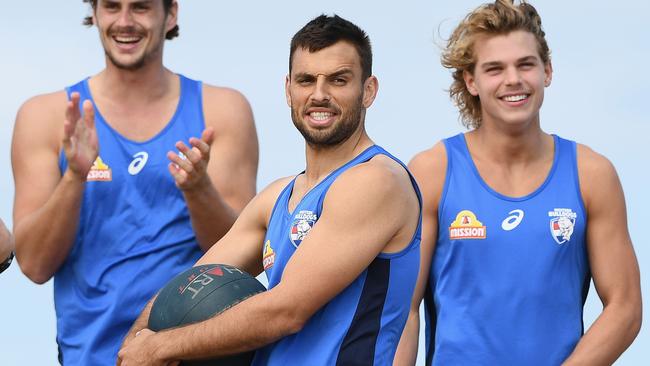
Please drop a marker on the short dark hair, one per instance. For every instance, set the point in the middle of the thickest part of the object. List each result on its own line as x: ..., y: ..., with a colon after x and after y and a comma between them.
x: 173, y: 33
x: 324, y: 31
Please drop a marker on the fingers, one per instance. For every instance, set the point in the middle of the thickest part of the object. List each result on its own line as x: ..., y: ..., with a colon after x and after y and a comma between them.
x: 189, y: 166
x: 72, y: 114
x: 180, y: 163
x: 199, y: 151
x: 208, y: 136
x: 177, y: 173
x: 89, y: 114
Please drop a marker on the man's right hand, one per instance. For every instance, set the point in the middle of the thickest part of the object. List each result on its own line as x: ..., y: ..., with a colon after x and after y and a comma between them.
x: 80, y: 137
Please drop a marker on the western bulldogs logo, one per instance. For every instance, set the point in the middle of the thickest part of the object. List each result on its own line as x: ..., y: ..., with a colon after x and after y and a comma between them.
x: 563, y: 221
x: 302, y: 223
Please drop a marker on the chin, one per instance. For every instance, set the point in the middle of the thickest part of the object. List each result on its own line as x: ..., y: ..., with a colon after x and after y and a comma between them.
x: 127, y: 64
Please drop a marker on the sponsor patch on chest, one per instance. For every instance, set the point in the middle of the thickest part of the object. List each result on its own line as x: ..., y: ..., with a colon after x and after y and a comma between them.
x: 99, y: 172
x: 467, y: 226
x: 562, y: 222
x: 303, y: 221
x: 268, y: 257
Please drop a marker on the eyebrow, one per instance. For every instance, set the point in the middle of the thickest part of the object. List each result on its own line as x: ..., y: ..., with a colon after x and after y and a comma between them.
x: 341, y: 72
x: 499, y: 63
x: 344, y: 71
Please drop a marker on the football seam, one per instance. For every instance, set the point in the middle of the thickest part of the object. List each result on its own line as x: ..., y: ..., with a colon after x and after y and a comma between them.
x: 219, y: 312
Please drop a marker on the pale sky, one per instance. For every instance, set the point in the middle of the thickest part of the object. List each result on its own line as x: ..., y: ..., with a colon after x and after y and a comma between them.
x: 597, y: 97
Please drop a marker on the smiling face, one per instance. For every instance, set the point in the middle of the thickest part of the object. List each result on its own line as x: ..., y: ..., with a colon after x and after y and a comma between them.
x: 132, y: 32
x: 509, y: 78
x: 327, y: 95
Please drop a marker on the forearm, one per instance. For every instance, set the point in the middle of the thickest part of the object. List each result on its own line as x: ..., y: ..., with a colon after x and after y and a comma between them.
x: 249, y: 325
x: 609, y: 336
x: 407, y: 349
x: 44, y: 238
x: 211, y: 216
x: 140, y: 323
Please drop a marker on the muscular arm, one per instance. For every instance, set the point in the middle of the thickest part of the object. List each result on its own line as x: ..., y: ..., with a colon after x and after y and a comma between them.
x: 429, y: 169
x: 215, y: 199
x: 352, y: 238
x: 6, y: 242
x: 47, y: 205
x: 240, y: 247
x: 613, y: 264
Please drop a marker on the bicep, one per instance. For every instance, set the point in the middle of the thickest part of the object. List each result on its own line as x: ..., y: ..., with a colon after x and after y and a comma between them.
x: 611, y: 255
x: 429, y: 169
x: 234, y: 153
x: 34, y: 158
x: 241, y: 246
x: 342, y: 244
x: 243, y: 243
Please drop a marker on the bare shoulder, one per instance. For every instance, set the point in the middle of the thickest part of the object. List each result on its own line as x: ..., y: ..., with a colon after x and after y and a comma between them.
x: 41, y: 117
x: 432, y: 161
x: 265, y: 200
x: 429, y: 168
x: 225, y: 107
x: 272, y: 191
x: 597, y: 174
x: 591, y: 163
x: 380, y: 177
x: 44, y: 107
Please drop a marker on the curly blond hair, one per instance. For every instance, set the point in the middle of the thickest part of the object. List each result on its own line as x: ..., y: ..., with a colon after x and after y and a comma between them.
x: 498, y: 18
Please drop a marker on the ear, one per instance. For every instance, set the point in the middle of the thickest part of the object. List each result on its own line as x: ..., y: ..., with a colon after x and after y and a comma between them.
x: 287, y: 85
x: 470, y: 82
x: 548, y: 73
x: 370, y: 89
x: 172, y: 17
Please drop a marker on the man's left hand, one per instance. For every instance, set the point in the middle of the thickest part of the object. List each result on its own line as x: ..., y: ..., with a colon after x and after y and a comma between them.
x: 142, y: 351
x: 190, y: 170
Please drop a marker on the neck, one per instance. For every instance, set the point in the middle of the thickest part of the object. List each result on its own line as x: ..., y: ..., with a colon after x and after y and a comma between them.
x: 321, y: 161
x: 509, y: 145
x: 149, y: 82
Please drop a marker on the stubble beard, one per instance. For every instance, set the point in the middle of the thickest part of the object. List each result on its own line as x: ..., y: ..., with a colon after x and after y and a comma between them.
x: 346, y: 126
x: 141, y: 60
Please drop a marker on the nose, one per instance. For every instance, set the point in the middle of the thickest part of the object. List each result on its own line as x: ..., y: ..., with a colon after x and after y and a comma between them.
x: 125, y: 17
x: 321, y: 90
x: 513, y: 77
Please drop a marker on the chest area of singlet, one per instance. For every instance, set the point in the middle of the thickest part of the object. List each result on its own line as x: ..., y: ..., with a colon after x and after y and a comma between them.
x: 288, y: 229
x: 493, y: 237
x: 547, y: 223
x: 551, y: 218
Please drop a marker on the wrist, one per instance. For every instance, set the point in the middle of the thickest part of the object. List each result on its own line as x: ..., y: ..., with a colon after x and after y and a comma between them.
x: 200, y: 188
x: 161, y: 350
x: 74, y: 177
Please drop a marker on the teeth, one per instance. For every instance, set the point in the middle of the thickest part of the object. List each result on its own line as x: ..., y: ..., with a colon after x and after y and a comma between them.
x: 320, y: 116
x: 515, y: 98
x: 127, y: 39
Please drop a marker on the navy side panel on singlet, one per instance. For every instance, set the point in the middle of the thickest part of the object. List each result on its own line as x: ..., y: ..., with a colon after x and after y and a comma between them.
x: 361, y: 325
x: 134, y: 234
x: 509, y: 275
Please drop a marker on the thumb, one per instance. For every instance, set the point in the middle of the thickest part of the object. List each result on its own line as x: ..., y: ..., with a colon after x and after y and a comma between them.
x: 208, y: 135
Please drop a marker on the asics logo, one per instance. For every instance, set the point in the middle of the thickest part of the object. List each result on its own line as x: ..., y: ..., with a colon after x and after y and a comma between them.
x: 513, y: 220
x: 139, y: 161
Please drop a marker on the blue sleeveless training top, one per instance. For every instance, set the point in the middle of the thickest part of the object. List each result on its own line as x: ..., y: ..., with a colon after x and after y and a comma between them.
x: 363, y: 324
x: 509, y: 276
x: 134, y: 234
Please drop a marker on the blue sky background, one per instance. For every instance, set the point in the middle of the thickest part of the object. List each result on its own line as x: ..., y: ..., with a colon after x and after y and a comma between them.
x: 599, y: 97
